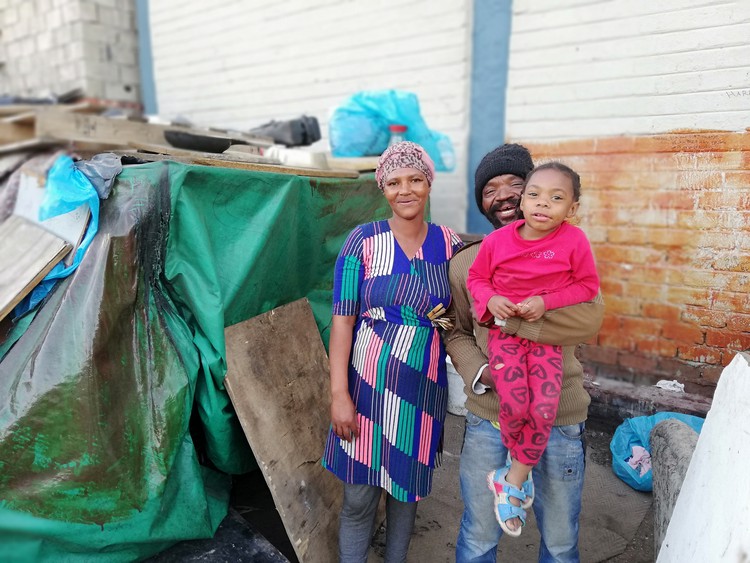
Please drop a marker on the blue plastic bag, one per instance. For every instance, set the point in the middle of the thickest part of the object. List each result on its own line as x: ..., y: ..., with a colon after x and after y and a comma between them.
x: 636, y: 432
x: 359, y: 127
x: 67, y: 189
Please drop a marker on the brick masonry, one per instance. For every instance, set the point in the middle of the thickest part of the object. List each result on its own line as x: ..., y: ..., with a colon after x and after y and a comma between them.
x: 53, y: 46
x: 668, y: 217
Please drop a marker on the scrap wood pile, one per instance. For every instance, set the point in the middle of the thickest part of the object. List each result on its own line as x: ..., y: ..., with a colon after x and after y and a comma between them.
x: 33, y: 136
x: 80, y: 128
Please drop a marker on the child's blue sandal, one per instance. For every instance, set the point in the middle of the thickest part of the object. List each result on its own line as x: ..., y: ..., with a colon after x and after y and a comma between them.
x: 504, y: 509
x: 528, y: 487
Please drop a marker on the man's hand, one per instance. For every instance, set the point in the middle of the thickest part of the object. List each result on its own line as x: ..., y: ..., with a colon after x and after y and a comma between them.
x: 501, y: 307
x: 532, y: 309
x: 486, y: 378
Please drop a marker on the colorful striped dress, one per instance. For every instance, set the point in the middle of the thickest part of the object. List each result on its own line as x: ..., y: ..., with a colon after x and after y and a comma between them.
x: 397, y: 376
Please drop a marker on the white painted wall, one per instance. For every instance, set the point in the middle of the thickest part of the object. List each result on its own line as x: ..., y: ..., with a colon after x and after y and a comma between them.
x: 239, y: 64
x: 586, y: 68
x: 711, y: 520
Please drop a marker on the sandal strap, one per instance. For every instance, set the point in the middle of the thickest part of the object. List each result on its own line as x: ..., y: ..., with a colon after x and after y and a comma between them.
x: 508, y: 511
x: 509, y: 489
x: 512, y: 491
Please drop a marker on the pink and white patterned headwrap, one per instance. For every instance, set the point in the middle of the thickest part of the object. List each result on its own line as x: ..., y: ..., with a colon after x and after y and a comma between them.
x: 404, y: 155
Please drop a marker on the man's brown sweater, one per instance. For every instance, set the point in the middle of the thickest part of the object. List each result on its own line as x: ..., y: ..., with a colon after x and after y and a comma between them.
x: 566, y: 327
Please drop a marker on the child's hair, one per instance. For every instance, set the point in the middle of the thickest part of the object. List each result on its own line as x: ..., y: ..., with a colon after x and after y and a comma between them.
x: 575, y: 179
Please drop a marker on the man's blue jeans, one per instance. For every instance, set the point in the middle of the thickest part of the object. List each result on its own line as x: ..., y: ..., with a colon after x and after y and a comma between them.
x: 558, y: 485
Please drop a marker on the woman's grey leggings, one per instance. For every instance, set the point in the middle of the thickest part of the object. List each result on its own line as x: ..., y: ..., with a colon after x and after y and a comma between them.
x: 357, y: 521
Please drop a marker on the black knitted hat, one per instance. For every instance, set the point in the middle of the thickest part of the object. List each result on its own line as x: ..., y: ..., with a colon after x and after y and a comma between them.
x: 505, y: 159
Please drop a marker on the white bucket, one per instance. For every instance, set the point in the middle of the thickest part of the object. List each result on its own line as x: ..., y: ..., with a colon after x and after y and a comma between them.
x: 456, y: 395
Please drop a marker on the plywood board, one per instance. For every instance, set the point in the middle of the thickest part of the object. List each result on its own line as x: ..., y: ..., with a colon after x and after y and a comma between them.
x: 277, y: 378
x: 69, y: 226
x: 27, y: 254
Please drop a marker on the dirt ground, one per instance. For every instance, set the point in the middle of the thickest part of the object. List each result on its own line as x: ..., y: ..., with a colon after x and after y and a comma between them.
x: 438, y: 516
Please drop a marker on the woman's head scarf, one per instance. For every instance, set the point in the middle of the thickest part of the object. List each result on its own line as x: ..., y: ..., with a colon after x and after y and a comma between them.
x: 404, y: 155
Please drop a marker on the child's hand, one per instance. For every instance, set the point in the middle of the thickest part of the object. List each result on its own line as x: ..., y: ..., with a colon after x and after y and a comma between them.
x: 501, y: 307
x: 532, y: 309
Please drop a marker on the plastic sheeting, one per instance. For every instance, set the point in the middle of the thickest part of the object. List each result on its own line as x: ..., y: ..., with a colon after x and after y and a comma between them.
x: 96, y: 459
x: 636, y: 432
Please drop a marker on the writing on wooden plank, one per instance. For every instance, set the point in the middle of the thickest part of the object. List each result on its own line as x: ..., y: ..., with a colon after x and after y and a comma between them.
x: 277, y: 379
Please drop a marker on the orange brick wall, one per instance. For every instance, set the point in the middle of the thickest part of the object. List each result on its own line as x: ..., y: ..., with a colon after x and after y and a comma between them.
x: 668, y: 217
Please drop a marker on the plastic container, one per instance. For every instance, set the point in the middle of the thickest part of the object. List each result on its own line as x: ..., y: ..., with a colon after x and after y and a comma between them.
x: 456, y: 395
x: 398, y: 133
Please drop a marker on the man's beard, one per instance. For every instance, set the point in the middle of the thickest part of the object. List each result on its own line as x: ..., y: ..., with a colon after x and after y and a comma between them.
x: 496, y: 207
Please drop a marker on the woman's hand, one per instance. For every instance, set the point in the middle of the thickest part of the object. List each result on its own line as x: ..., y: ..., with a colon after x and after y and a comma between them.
x: 343, y: 412
x: 344, y: 417
x: 532, y: 309
x: 501, y: 307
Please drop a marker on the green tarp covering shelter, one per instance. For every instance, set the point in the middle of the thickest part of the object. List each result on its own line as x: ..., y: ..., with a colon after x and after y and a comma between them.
x: 97, y: 387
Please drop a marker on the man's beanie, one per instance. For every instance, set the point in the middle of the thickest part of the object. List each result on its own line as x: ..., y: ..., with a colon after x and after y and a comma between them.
x: 505, y: 159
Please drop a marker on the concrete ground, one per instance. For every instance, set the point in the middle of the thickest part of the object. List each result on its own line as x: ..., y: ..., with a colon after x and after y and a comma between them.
x: 616, y: 521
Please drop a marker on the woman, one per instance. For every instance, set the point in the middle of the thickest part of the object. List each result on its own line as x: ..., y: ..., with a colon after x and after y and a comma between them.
x: 387, y: 361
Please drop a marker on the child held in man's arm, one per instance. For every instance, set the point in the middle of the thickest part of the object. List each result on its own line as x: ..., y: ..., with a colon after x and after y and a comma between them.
x: 539, y: 263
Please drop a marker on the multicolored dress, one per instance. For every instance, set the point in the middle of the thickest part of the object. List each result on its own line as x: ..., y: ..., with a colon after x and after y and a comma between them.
x: 397, y: 376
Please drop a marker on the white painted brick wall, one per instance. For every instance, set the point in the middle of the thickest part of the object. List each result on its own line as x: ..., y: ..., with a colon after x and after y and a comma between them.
x: 50, y: 47
x: 589, y: 68
x: 239, y: 64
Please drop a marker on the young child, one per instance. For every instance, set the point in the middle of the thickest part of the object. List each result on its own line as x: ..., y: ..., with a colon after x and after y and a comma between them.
x: 526, y: 268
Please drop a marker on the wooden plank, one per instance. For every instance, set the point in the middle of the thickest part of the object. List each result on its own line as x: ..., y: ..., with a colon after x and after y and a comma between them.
x: 66, y: 126
x: 295, y: 171
x: 27, y: 254
x: 30, y: 116
x: 225, y: 160
x: 235, y: 157
x: 363, y: 164
x: 15, y: 132
x: 30, y: 144
x: 277, y: 379
x: 70, y: 226
x: 13, y: 109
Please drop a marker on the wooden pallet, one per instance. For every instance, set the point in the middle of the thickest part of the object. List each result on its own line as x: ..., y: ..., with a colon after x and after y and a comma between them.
x: 22, y: 128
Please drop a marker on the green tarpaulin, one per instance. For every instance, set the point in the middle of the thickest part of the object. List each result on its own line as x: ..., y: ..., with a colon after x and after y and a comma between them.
x: 96, y: 459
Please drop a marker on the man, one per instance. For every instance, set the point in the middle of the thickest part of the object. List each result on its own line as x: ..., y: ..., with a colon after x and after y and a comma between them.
x: 558, y: 477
